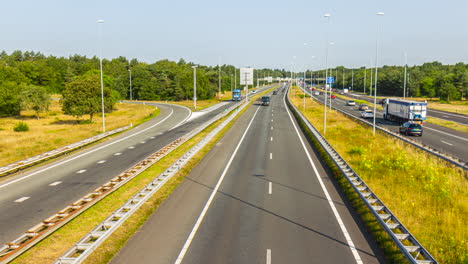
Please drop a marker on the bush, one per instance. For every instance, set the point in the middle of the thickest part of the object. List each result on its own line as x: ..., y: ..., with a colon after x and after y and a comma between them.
x: 21, y: 127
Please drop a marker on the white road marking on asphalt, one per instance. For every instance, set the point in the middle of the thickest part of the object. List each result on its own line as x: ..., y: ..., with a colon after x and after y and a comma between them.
x: 445, y: 116
x: 101, y: 161
x: 461, y: 116
x: 270, y: 188
x: 80, y: 171
x: 152, y: 137
x: 22, y: 199
x: 465, y: 139
x: 55, y: 183
x: 180, y: 123
x: 272, y: 120
x: 450, y: 144
x: 117, y: 154
x: 268, y: 256
x: 327, y: 195
x: 271, y: 128
x: 271, y: 155
x: 271, y: 138
x: 132, y: 147
x: 143, y: 142
x: 86, y: 153
x: 213, y: 193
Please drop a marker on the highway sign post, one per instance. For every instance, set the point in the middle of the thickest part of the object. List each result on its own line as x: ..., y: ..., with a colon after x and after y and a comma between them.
x: 246, y: 78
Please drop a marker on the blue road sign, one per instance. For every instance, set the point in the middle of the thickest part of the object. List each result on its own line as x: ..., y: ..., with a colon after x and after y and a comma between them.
x: 330, y: 79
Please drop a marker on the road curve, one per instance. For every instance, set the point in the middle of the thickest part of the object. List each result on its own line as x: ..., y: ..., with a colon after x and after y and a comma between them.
x: 270, y: 204
x: 33, y: 195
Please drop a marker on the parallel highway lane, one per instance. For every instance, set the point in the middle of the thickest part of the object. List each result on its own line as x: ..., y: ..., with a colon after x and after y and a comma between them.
x: 270, y: 204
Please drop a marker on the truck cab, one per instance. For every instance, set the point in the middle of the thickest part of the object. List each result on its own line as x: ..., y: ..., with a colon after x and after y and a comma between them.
x: 265, y: 100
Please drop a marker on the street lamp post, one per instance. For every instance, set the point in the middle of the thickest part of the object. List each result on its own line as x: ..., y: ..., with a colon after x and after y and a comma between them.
x: 365, y: 73
x: 376, y: 70
x: 404, y: 84
x: 130, y: 79
x: 100, y: 22
x: 195, y: 86
x: 327, y: 16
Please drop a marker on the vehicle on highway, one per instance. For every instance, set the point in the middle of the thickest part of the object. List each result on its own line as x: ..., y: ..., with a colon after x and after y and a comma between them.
x: 401, y: 111
x: 265, y: 100
x: 363, y: 107
x: 367, y: 114
x: 332, y: 96
x: 253, y: 91
x: 317, y: 93
x: 381, y: 101
x: 275, y: 92
x: 350, y: 102
x: 410, y: 128
x: 236, y: 95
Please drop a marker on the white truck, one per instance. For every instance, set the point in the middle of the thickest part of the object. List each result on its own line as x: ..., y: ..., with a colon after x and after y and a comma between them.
x: 401, y: 111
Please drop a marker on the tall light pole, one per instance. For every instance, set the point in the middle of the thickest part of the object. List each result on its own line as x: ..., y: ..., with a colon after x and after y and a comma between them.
x: 352, y: 79
x: 376, y: 69
x: 219, y: 78
x: 130, y: 79
x: 365, y: 83
x: 100, y: 22
x: 404, y: 84
x: 195, y: 86
x: 327, y: 17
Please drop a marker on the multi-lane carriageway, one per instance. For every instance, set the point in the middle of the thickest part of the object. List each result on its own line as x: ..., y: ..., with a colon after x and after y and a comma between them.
x: 261, y: 195
x: 452, y: 142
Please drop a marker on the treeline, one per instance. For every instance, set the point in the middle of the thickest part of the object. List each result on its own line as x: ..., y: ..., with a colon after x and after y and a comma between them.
x: 162, y: 80
x: 447, y: 82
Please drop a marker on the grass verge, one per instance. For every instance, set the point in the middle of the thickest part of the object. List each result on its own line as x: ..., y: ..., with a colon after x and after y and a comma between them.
x: 427, y: 194
x: 52, y: 247
x: 54, y: 130
x: 448, y: 124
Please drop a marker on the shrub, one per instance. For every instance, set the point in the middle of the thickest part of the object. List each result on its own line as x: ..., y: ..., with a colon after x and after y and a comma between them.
x: 21, y: 127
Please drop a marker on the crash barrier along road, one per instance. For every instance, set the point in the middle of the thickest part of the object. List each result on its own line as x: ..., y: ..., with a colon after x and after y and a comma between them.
x: 35, y: 234
x: 429, y: 149
x: 81, y: 250
x: 401, y: 236
x: 22, y: 164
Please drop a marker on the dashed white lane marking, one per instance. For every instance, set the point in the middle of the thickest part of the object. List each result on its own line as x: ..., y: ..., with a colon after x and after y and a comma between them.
x: 143, y: 142
x: 101, y: 161
x: 22, y: 199
x: 272, y: 120
x: 450, y: 144
x: 152, y: 137
x: 80, y: 171
x: 446, y: 133
x: 270, y: 188
x: 55, y: 183
x: 268, y: 256
x: 132, y: 147
x: 118, y: 154
x: 271, y: 128
x: 341, y: 224
x: 271, y: 155
x: 271, y: 138
x: 189, y: 240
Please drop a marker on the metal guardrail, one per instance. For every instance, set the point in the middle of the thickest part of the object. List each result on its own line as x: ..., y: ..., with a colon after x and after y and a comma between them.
x: 406, y: 242
x: 35, y: 234
x: 449, y: 158
x: 22, y: 164
x: 81, y: 250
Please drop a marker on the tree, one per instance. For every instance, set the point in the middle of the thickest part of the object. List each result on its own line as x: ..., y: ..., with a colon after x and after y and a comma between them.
x: 35, y: 98
x: 10, y: 103
x: 82, y: 96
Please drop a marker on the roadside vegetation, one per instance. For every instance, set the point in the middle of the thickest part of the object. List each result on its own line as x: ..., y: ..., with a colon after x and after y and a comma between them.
x: 52, y: 247
x: 55, y: 129
x: 426, y: 193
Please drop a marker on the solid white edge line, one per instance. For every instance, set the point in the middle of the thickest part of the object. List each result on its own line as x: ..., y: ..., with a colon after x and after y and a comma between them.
x: 327, y: 195
x: 183, y: 121
x: 445, y: 113
x: 86, y: 153
x: 445, y: 133
x: 189, y: 240
x: 268, y: 256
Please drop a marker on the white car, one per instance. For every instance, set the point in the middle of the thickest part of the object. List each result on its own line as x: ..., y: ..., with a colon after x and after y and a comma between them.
x: 367, y: 114
x: 350, y: 102
x: 253, y: 91
x: 317, y: 93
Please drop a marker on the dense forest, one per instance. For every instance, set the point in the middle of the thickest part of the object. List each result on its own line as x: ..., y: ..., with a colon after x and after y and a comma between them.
x: 28, y: 78
x: 447, y: 82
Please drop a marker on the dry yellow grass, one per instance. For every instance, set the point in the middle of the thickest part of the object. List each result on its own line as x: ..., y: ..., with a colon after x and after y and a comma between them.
x: 448, y: 124
x: 55, y: 129
x: 427, y: 194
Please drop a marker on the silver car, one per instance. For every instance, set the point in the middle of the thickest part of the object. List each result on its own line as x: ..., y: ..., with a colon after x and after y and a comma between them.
x: 350, y: 102
x: 367, y: 114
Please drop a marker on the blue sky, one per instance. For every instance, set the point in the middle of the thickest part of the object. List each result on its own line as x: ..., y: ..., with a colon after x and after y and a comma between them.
x: 243, y: 33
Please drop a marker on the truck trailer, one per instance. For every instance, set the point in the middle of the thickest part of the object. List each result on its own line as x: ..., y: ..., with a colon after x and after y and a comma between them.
x: 401, y: 111
x: 236, y: 95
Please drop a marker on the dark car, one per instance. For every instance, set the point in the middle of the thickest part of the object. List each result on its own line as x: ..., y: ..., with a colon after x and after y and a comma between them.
x: 275, y: 92
x: 363, y: 107
x: 410, y: 128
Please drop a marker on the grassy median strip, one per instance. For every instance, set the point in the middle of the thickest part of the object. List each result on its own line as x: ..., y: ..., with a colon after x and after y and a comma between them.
x: 426, y: 193
x: 51, y: 248
x: 54, y: 129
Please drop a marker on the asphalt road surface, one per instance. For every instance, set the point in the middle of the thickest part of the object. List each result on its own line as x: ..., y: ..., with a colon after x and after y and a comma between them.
x: 443, y: 139
x: 261, y: 195
x: 33, y: 195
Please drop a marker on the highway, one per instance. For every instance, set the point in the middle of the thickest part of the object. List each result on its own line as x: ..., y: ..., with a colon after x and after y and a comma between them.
x: 29, y: 197
x: 443, y: 139
x: 261, y: 195
x: 454, y: 117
